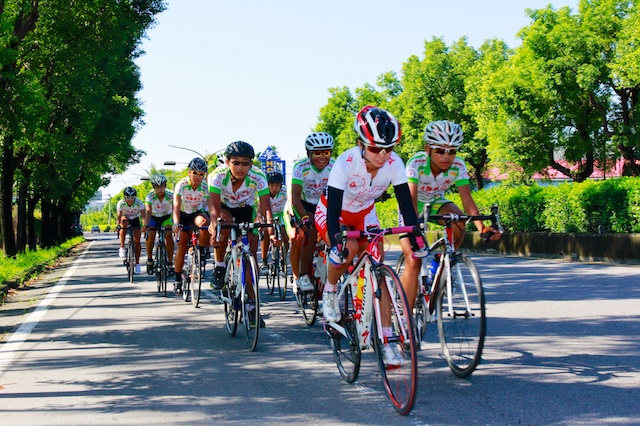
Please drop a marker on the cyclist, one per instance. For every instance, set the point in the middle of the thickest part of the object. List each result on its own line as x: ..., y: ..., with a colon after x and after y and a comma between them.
x: 277, y: 200
x: 129, y: 212
x: 309, y: 179
x: 430, y: 173
x: 359, y: 176
x: 159, y: 212
x: 189, y: 201
x: 233, y: 190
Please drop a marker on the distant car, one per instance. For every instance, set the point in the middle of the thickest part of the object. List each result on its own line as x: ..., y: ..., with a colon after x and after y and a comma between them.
x: 95, y: 228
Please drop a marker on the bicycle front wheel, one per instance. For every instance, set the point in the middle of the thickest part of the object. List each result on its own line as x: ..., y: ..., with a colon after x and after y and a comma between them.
x: 131, y: 259
x: 461, y: 316
x: 281, y: 271
x: 161, y: 268
x: 346, y: 347
x: 271, y: 274
x: 186, y: 285
x: 196, y: 277
x: 250, y: 303
x: 396, y: 352
x: 231, y: 302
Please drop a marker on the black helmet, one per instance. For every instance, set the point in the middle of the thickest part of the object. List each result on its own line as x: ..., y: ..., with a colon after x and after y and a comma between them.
x: 130, y: 192
x: 275, y: 177
x: 198, y: 165
x: 239, y: 149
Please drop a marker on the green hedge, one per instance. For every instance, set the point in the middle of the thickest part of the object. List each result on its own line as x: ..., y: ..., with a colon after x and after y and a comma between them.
x: 611, y: 205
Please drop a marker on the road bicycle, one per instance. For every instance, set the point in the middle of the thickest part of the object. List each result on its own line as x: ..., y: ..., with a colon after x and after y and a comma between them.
x: 194, y: 266
x: 130, y: 248
x: 240, y: 294
x: 161, y: 260
x: 452, y: 295
x: 366, y: 292
x: 277, y: 273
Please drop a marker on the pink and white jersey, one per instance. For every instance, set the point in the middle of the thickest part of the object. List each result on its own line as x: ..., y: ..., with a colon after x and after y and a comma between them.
x: 130, y: 211
x: 349, y: 173
x: 192, y: 200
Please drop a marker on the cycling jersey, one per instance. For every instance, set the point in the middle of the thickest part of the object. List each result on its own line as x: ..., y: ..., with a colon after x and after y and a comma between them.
x: 160, y: 208
x: 278, y: 202
x: 312, y: 180
x: 130, y: 211
x: 192, y: 200
x: 349, y: 174
x: 432, y: 188
x: 254, y: 186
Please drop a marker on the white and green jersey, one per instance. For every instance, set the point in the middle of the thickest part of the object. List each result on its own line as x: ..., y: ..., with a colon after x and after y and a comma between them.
x: 254, y: 186
x: 160, y: 208
x: 278, y: 202
x: 130, y: 211
x: 312, y: 180
x: 192, y: 200
x: 430, y: 187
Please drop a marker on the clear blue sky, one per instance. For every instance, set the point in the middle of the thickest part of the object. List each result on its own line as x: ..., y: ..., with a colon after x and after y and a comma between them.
x: 259, y: 71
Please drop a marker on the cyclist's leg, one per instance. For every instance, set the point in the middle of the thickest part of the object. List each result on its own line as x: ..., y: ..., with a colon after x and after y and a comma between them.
x: 458, y: 227
x: 409, y: 277
x: 124, y: 223
x: 264, y: 247
x: 217, y: 278
x: 203, y: 237
x: 296, y: 238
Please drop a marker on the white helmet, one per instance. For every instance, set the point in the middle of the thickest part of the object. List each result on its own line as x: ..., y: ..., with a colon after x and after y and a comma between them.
x: 158, y: 180
x: 444, y: 133
x: 318, y: 141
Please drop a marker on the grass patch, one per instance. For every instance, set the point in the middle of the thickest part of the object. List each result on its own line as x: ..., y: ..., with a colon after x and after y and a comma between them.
x: 21, y: 268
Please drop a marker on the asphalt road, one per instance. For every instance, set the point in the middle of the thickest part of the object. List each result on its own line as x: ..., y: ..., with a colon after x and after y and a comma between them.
x: 84, y: 346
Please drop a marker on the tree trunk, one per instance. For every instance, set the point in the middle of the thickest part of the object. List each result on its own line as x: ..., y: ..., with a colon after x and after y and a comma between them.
x: 6, y: 198
x: 21, y: 244
x: 630, y: 167
x: 46, y: 232
x: 31, y: 223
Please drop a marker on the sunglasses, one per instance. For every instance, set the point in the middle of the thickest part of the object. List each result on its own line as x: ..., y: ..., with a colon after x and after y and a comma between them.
x: 241, y: 163
x: 200, y: 174
x: 378, y: 150
x: 325, y: 153
x: 443, y: 151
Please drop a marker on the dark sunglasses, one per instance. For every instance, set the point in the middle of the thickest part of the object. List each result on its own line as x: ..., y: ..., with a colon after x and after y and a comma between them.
x: 325, y: 153
x: 201, y: 174
x: 378, y: 150
x: 443, y: 151
x: 241, y: 163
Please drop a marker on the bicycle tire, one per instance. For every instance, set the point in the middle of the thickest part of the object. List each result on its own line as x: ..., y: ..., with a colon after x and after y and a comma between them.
x: 131, y: 259
x: 162, y: 267
x: 400, y: 381
x: 346, y: 349
x: 186, y: 278
x: 271, y: 273
x: 308, y: 302
x: 252, y: 331
x: 420, y: 306
x: 231, y: 303
x: 196, y: 277
x: 462, y: 334
x: 281, y: 271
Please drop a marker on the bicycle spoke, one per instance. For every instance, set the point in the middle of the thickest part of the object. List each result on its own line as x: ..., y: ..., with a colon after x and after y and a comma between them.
x: 251, y: 302
x: 346, y: 348
x: 399, y: 373
x: 461, y: 317
x: 196, y: 277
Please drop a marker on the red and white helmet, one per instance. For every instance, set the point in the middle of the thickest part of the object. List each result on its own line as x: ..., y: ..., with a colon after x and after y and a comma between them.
x: 377, y: 127
x: 444, y: 133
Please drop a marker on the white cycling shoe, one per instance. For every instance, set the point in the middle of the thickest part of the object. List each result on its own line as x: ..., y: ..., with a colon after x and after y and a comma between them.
x: 122, y: 252
x: 305, y: 284
x: 330, y: 307
x: 392, y: 354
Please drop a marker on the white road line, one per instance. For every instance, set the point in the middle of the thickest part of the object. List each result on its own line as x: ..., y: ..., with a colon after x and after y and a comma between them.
x: 11, y: 346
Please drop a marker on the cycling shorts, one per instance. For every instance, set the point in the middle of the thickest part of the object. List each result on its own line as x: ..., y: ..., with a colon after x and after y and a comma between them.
x: 157, y: 222
x: 361, y: 220
x: 186, y: 219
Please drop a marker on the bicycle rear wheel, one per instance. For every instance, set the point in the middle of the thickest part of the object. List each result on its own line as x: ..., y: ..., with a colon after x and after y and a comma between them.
x: 461, y: 329
x: 308, y: 302
x: 196, y: 277
x: 281, y: 271
x: 250, y: 307
x: 231, y: 302
x: 186, y: 284
x: 346, y: 349
x: 399, y: 376
x: 131, y: 259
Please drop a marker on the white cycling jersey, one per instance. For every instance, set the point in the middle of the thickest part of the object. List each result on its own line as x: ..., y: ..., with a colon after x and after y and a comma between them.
x: 192, y: 200
x: 160, y: 208
x: 349, y: 173
x: 130, y: 211
x: 254, y: 186
x: 312, y: 180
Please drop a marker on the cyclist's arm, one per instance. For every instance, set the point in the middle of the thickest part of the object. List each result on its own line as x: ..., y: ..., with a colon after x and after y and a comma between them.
x: 469, y: 206
x: 147, y: 215
x: 177, y: 205
x: 413, y: 190
x: 296, y: 201
x: 334, y: 208
x: 405, y: 202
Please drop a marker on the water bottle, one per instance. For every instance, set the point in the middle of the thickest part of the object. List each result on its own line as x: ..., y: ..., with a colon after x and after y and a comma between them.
x: 433, y: 268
